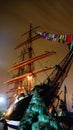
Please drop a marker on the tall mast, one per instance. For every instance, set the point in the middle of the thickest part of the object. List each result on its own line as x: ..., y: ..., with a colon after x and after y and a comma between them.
x: 30, y: 65
x: 30, y: 49
x: 26, y: 53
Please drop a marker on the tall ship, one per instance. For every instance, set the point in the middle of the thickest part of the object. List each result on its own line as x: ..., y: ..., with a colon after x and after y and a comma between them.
x: 25, y: 80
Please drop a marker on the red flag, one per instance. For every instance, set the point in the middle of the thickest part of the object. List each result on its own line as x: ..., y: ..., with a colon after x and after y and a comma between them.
x: 68, y: 38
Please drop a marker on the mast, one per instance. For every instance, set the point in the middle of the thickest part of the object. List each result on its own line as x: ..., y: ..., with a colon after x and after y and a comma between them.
x: 27, y: 75
x: 65, y: 91
x: 25, y: 67
x: 30, y: 49
x: 30, y: 65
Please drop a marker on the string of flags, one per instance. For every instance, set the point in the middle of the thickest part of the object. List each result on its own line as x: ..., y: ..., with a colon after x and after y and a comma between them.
x: 60, y: 37
x: 57, y: 37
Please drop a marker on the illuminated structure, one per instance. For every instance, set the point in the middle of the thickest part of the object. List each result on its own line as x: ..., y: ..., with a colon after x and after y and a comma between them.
x: 48, y: 90
x: 25, y: 79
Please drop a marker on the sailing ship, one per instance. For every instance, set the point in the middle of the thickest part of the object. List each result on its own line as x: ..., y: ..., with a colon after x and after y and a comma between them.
x: 48, y: 90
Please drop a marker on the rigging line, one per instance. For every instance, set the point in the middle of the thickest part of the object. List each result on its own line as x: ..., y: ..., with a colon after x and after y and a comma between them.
x: 57, y: 58
x: 40, y: 64
x: 38, y: 80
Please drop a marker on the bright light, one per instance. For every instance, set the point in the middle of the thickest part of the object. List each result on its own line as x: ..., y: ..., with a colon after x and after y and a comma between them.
x: 29, y: 77
x: 2, y: 99
x: 19, y: 87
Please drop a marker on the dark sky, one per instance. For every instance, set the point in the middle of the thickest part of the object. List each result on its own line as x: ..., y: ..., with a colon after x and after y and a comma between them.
x: 53, y: 16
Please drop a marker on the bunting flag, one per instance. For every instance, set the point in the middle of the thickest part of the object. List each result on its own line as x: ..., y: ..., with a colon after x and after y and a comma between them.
x: 63, y: 38
x: 56, y: 37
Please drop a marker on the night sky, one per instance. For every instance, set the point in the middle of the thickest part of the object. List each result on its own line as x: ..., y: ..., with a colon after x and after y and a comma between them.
x: 53, y: 16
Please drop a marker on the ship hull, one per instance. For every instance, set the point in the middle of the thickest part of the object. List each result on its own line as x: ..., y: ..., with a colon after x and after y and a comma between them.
x: 19, y: 108
x: 12, y: 125
x: 47, y: 93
